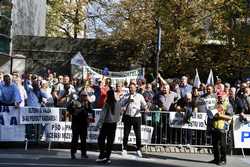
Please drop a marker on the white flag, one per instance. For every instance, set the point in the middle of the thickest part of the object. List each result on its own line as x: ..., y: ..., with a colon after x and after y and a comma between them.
x: 197, y: 81
x: 210, y: 79
x: 78, y: 60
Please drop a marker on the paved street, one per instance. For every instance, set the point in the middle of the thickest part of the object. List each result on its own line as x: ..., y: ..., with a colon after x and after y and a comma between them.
x: 56, y: 158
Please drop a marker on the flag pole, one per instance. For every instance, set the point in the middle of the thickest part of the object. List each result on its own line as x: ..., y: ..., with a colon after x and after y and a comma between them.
x: 158, y: 50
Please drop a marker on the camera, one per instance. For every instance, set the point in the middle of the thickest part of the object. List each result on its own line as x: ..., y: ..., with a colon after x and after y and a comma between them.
x: 131, y: 100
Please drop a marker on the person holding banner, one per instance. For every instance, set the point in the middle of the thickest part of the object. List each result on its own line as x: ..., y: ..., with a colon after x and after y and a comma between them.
x: 109, y: 117
x: 79, y: 109
x: 132, y: 105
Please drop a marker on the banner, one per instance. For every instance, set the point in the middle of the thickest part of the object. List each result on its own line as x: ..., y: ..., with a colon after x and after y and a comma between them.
x: 58, y: 131
x: 38, y: 115
x: 10, y: 130
x: 241, y: 133
x: 80, y: 69
x: 115, y: 76
x: 197, y: 121
x: 61, y: 132
x: 146, y: 135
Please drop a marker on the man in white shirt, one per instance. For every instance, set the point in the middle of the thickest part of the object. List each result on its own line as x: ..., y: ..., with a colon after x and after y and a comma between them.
x: 132, y: 105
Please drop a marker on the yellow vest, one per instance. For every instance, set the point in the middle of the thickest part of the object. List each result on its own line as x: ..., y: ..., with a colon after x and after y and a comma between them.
x: 220, y: 123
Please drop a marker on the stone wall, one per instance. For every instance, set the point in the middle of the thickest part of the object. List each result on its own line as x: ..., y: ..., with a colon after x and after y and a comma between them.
x: 44, y: 53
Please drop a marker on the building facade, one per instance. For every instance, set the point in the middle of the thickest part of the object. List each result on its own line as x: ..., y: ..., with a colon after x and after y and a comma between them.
x: 19, y: 17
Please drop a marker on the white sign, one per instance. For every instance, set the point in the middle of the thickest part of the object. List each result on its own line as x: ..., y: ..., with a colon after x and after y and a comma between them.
x: 61, y: 132
x: 10, y: 130
x: 241, y: 133
x: 38, y: 115
x: 146, y: 135
x: 197, y: 121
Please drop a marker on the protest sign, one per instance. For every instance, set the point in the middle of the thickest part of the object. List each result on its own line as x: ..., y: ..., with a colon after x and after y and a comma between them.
x: 197, y: 121
x: 38, y: 115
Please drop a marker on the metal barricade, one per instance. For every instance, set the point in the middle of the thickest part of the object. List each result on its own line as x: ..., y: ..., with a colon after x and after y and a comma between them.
x: 163, y: 133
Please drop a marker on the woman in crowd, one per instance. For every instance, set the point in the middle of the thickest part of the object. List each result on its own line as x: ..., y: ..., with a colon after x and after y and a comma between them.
x: 107, y: 124
x: 47, y: 100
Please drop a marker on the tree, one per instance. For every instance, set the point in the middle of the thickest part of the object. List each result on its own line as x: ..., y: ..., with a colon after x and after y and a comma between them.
x: 195, y: 33
x: 67, y: 18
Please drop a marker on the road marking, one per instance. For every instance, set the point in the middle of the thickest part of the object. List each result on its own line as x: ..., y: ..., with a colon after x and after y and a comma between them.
x: 18, y: 156
x: 38, y: 164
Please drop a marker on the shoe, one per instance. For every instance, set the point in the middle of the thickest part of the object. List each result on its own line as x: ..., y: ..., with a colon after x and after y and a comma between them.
x: 84, y: 156
x: 139, y: 153
x: 100, y: 160
x: 223, y: 162
x: 73, y: 156
x: 124, y: 153
x: 179, y: 146
x: 188, y: 146
x: 107, y: 161
x: 213, y: 162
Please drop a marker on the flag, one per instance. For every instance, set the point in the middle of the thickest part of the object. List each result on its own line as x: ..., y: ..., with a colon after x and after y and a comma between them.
x: 210, y: 79
x: 197, y: 81
x: 78, y: 60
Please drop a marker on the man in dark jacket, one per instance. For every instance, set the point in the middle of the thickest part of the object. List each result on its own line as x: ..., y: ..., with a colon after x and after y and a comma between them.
x: 79, y: 109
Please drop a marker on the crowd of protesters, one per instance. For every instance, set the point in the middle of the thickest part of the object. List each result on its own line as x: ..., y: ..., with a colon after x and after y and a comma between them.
x: 179, y: 95
x: 52, y: 90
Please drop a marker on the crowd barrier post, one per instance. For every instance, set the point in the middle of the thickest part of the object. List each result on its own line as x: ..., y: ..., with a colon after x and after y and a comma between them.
x: 26, y: 144
x: 243, y: 153
x: 49, y: 147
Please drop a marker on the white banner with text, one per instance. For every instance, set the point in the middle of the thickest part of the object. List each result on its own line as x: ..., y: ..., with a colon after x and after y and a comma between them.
x: 197, y: 121
x: 241, y: 133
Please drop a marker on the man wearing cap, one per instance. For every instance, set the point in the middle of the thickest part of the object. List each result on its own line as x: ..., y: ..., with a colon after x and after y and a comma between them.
x: 79, y: 109
x: 9, y: 93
